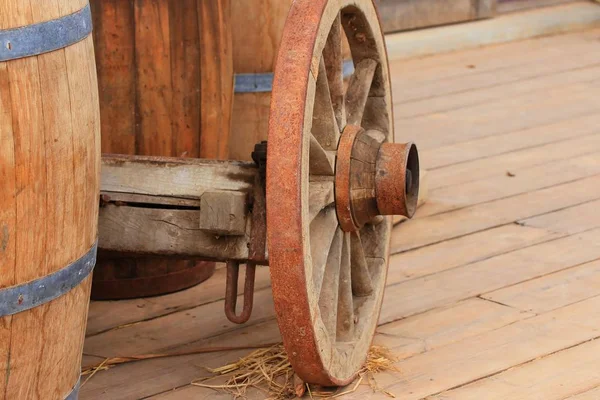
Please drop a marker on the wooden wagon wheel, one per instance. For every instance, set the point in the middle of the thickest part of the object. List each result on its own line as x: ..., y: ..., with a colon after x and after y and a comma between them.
x: 332, y: 171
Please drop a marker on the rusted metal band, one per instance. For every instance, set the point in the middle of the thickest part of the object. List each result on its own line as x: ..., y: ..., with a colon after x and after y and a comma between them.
x: 74, y: 395
x: 16, y: 299
x: 32, y: 40
x: 262, y: 83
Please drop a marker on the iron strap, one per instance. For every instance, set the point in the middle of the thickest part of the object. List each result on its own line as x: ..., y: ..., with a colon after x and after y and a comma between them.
x: 74, y: 394
x: 32, y: 40
x: 16, y: 299
x: 261, y: 83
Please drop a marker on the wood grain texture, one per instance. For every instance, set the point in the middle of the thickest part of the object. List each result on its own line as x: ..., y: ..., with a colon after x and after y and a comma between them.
x: 166, y: 81
x: 399, y: 15
x: 50, y: 151
x: 258, y: 29
x: 216, y: 76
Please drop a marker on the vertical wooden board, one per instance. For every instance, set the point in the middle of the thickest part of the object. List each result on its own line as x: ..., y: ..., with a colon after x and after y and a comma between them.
x: 250, y: 123
x: 114, y: 39
x: 217, y: 77
x: 256, y: 37
x: 7, y: 215
x: 185, y: 78
x: 86, y: 139
x: 154, y: 87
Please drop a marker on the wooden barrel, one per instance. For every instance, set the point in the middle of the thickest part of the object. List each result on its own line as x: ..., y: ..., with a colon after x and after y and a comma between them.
x: 49, y: 177
x: 165, y: 77
x: 256, y: 38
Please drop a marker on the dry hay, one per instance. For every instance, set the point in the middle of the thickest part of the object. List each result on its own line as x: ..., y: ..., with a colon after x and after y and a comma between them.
x: 269, y: 371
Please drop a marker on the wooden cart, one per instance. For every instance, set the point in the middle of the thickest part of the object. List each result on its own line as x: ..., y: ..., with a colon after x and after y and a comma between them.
x: 314, y: 205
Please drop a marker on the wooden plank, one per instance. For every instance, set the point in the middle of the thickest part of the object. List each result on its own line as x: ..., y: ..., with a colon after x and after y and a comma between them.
x: 592, y: 394
x: 526, y: 54
x: 480, y: 87
x: 113, y: 23
x: 491, y: 352
x: 400, y: 15
x: 569, y: 220
x: 514, y: 162
x: 437, y: 228
x: 551, y: 21
x: 497, y: 117
x: 431, y: 291
x: 440, y: 327
x: 165, y: 232
x: 104, y: 315
x: 187, y: 178
x: 153, y: 72
x: 139, y: 380
x: 554, y: 377
x: 551, y: 291
x: 216, y: 76
x: 185, y: 55
x: 569, y: 128
x: 464, y: 250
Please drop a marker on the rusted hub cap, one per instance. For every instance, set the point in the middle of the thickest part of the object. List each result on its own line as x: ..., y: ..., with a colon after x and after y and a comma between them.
x: 374, y: 178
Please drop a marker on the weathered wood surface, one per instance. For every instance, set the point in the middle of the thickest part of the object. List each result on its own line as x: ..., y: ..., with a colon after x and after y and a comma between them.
x: 402, y: 15
x: 494, y: 297
x: 49, y: 175
x: 166, y: 84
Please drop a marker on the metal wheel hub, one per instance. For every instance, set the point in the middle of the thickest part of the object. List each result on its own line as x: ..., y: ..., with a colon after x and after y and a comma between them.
x: 374, y: 178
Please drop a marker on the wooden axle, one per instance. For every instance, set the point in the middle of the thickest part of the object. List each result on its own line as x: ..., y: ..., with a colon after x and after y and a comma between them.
x: 187, y: 208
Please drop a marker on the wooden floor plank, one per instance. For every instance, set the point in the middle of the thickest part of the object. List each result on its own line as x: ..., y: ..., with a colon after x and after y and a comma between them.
x: 497, y: 117
x: 551, y: 291
x: 569, y: 220
x: 464, y: 250
x: 507, y: 182
x: 592, y: 394
x: 581, y: 124
x: 409, y: 73
x: 106, y: 315
x: 139, y: 380
x: 442, y: 326
x: 446, y: 287
x: 423, y: 231
x: 187, y: 326
x: 492, y: 352
x: 513, y: 162
x: 550, y: 378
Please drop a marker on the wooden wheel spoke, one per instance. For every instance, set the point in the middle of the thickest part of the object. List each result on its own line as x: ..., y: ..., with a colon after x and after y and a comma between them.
x: 328, y: 287
x: 320, y: 195
x: 334, y: 62
x: 345, y: 310
x: 358, y: 90
x: 361, y: 277
x: 321, y: 161
x: 322, y: 232
x: 324, y: 127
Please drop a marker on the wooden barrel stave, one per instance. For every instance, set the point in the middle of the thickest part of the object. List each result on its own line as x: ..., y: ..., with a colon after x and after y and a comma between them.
x: 49, y: 147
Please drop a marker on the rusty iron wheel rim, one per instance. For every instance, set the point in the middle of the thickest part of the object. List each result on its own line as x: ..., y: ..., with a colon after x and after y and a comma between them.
x: 321, y: 350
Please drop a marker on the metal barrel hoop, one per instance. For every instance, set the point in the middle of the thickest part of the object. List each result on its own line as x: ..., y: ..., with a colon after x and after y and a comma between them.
x: 74, y: 393
x: 44, y: 37
x: 19, y: 298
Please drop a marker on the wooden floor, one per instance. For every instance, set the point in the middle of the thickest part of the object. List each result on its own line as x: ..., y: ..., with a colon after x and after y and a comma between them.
x: 494, y: 288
